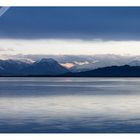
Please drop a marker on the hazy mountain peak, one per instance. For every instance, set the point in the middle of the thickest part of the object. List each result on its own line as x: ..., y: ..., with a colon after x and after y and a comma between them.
x: 47, y: 60
x: 134, y: 63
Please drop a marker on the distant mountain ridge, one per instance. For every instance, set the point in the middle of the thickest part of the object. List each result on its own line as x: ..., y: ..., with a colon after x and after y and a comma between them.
x: 113, y: 71
x: 43, y: 67
x: 80, y: 63
x: 11, y: 67
x: 50, y: 67
x: 134, y: 63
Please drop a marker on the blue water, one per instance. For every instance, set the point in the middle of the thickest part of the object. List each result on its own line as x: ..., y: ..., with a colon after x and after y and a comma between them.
x: 61, y: 105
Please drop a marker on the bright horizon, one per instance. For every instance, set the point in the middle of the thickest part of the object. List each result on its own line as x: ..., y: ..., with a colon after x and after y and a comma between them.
x: 68, y: 47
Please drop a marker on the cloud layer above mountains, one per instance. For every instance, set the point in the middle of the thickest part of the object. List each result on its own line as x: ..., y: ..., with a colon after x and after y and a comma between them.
x: 68, y: 47
x: 107, y: 23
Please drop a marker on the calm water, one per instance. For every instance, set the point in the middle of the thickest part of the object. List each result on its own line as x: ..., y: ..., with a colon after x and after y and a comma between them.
x: 69, y: 105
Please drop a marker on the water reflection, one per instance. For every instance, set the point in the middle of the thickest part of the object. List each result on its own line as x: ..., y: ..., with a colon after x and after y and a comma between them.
x: 74, y: 105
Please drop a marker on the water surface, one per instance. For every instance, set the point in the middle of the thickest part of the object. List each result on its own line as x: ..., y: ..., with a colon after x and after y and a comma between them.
x: 70, y: 105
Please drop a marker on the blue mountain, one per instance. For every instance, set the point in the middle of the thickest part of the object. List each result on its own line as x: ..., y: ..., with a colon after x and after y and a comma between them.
x: 45, y: 67
x: 11, y: 67
x: 113, y: 71
x: 50, y: 67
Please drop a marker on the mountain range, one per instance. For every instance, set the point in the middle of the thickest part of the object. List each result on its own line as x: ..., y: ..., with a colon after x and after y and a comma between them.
x: 42, y: 67
x: 80, y: 63
x: 50, y: 67
x: 113, y: 71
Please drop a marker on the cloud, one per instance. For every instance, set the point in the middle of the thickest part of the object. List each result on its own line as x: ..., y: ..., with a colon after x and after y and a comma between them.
x: 68, y: 65
x: 69, y: 47
x: 2, y: 49
x: 81, y: 63
x: 6, y: 49
x: 118, y: 23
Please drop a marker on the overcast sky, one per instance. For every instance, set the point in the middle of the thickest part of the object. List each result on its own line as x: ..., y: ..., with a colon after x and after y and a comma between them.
x: 75, y: 30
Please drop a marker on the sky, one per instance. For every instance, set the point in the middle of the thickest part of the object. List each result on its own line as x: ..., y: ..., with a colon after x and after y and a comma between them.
x: 70, y: 30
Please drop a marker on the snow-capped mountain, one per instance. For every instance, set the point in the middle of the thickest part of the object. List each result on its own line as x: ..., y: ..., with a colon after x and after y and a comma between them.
x: 100, y: 61
x: 42, y: 67
x: 63, y: 64
x: 78, y: 63
x: 45, y: 67
x: 12, y: 66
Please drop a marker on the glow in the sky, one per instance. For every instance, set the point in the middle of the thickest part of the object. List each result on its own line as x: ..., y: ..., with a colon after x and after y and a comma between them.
x: 68, y: 46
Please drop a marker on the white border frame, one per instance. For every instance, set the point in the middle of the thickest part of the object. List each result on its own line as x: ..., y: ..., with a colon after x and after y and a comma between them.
x: 69, y: 2
x: 53, y: 136
x: 70, y: 136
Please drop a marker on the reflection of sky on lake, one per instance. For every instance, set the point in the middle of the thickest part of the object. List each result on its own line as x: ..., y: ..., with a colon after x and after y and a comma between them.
x: 69, y: 105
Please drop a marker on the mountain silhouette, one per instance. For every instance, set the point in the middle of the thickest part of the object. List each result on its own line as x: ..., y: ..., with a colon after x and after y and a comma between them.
x: 11, y: 67
x: 113, y: 71
x: 42, y: 67
x: 50, y: 67
x: 45, y: 67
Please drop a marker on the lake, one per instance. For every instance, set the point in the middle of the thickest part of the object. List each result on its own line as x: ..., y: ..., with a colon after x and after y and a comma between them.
x: 69, y: 105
